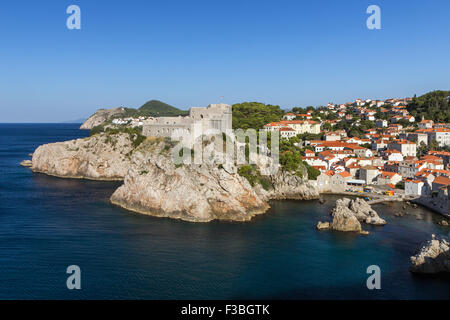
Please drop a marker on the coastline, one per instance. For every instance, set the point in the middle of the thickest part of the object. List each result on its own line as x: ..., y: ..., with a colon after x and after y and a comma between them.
x: 184, y: 217
x: 76, y: 177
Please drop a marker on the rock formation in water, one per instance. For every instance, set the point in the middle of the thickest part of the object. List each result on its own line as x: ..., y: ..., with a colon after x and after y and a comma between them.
x: 26, y: 163
x: 323, y: 225
x: 100, y: 157
x: 433, y: 257
x: 363, y: 211
x: 100, y: 117
x: 155, y: 185
x: 344, y: 219
x: 348, y: 215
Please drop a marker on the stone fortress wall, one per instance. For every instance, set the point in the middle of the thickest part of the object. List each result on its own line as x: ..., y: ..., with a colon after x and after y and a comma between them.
x: 214, y: 118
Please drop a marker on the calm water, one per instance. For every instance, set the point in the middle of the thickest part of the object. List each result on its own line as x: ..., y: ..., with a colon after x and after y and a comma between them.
x: 47, y: 224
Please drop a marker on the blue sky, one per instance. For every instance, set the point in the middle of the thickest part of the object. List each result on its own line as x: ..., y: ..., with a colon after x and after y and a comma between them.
x: 191, y: 53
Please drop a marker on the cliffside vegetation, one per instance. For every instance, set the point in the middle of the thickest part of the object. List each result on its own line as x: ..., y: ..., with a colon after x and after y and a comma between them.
x: 135, y: 133
x: 434, y: 105
x: 254, y: 115
x: 253, y: 176
x: 291, y: 159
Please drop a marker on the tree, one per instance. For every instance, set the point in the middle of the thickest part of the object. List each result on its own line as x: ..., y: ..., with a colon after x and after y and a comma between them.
x: 254, y: 115
x: 433, y: 145
x: 327, y: 126
x: 433, y: 105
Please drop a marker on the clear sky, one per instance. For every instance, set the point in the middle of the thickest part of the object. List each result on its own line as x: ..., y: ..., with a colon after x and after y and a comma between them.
x: 193, y: 53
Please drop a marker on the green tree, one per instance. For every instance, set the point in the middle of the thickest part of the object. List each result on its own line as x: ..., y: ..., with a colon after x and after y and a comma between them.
x: 254, y: 115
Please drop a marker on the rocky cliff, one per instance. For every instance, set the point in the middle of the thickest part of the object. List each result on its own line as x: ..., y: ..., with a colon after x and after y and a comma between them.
x: 433, y: 257
x: 100, y: 117
x: 101, y: 157
x: 155, y: 185
x: 348, y: 215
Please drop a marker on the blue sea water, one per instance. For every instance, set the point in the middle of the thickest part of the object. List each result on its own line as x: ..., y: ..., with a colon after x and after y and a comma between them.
x: 48, y: 223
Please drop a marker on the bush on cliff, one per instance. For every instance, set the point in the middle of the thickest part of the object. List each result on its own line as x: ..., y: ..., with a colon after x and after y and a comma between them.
x: 254, y: 177
x: 134, y: 132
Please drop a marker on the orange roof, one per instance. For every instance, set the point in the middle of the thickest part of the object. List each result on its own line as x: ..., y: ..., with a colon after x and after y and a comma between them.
x: 287, y: 129
x: 345, y: 174
x: 441, y: 153
x: 442, y: 180
x: 387, y: 174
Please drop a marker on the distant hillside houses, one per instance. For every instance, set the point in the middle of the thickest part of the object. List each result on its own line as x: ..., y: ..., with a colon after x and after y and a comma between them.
x: 374, y: 143
x: 298, y: 126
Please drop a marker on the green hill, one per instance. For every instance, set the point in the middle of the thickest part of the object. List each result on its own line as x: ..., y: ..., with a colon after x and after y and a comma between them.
x: 157, y: 108
x: 434, y: 105
x: 152, y: 108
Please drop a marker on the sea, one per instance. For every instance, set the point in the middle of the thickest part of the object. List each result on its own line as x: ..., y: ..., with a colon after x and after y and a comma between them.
x: 48, y: 224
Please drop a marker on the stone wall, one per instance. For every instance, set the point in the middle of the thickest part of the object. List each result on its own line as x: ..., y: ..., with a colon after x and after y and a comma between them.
x: 214, y: 118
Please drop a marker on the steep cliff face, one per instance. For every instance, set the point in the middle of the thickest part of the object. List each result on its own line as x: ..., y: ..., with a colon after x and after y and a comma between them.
x: 199, y: 193
x: 101, y: 157
x: 155, y: 185
x: 287, y: 185
x: 100, y: 117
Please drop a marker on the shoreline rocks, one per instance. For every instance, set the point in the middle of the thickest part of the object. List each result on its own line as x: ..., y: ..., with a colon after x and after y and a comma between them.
x: 100, y: 157
x: 26, y: 163
x: 155, y: 185
x: 433, y: 257
x: 363, y: 211
x: 443, y: 223
x: 348, y: 215
x: 323, y: 225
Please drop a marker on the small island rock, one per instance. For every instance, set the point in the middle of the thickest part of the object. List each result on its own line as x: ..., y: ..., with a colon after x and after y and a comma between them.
x: 433, y: 257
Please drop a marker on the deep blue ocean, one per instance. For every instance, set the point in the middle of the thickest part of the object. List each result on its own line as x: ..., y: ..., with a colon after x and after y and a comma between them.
x: 48, y: 223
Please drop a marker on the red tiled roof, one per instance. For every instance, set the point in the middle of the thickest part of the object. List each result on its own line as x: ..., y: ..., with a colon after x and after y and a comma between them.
x: 442, y: 180
x: 345, y: 174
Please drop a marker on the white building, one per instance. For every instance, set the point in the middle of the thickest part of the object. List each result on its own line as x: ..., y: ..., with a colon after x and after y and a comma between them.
x: 414, y: 188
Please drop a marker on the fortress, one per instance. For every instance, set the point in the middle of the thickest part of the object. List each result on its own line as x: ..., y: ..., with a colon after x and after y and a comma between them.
x: 215, y: 118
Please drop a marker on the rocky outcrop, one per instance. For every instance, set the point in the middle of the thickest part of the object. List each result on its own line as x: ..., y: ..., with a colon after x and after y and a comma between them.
x: 323, y: 225
x: 287, y: 185
x: 101, y: 157
x: 363, y: 211
x: 348, y: 215
x: 100, y: 117
x: 344, y: 220
x: 433, y: 257
x: 26, y: 163
x: 198, y: 193
x: 156, y: 186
